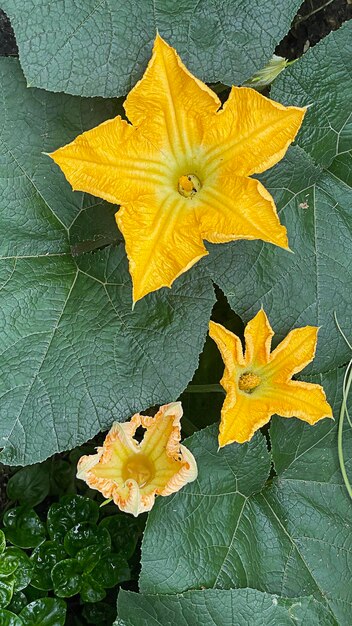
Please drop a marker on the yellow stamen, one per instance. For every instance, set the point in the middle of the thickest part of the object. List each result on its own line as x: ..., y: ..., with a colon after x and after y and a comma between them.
x: 248, y: 382
x: 188, y: 185
x: 140, y: 468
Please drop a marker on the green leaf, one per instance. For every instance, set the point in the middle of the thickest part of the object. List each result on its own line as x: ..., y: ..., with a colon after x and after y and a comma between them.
x: 30, y: 485
x: 321, y: 79
x: 44, y: 612
x: 314, y: 202
x: 290, y: 538
x: 17, y: 603
x: 10, y: 619
x: 23, y: 527
x: 23, y: 572
x: 6, y: 590
x: 71, y: 510
x: 91, y: 590
x: 43, y: 560
x: 85, y: 534
x: 101, y: 613
x: 82, y: 357
x: 111, y: 571
x: 67, y: 579
x: 220, y: 608
x: 2, y: 541
x: 124, y: 533
x: 98, y: 48
x: 188, y: 535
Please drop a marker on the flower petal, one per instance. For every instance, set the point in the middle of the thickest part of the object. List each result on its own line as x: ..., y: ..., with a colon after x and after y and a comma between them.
x: 238, y: 208
x: 112, y: 161
x: 251, y: 132
x: 162, y: 241
x: 258, y: 334
x: 306, y: 401
x: 293, y: 354
x: 170, y: 101
x: 242, y: 416
x: 229, y: 345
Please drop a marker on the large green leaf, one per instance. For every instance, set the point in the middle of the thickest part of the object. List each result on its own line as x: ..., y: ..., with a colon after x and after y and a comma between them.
x: 99, y: 47
x: 292, y: 538
x: 75, y: 356
x: 314, y: 203
x: 242, y: 607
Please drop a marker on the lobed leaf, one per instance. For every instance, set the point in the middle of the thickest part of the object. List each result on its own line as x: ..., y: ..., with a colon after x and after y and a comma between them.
x: 90, y: 47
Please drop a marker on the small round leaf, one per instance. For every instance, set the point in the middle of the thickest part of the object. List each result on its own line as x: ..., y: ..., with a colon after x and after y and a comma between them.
x: 43, y: 558
x: 111, y: 571
x: 44, y: 612
x: 18, y: 602
x: 6, y: 591
x: 124, y: 533
x: 91, y: 591
x: 84, y: 535
x: 71, y: 510
x: 7, y: 618
x: 30, y: 485
x: 2, y: 542
x: 67, y: 579
x: 23, y: 527
x: 23, y: 572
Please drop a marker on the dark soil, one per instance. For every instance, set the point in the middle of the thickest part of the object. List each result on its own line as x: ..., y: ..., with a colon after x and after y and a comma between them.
x: 314, y: 20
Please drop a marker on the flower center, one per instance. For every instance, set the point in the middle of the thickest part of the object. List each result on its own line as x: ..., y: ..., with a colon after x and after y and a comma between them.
x: 140, y: 468
x: 188, y: 185
x: 248, y: 382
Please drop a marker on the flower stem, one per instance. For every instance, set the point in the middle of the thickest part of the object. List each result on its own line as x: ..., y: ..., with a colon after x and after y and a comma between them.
x: 212, y: 388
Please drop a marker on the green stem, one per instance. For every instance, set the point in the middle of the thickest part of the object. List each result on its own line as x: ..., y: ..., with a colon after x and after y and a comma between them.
x: 216, y: 388
x: 347, y: 382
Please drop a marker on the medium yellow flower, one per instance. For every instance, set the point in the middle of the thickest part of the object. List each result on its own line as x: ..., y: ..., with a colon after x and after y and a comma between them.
x: 133, y: 473
x: 181, y: 169
x: 258, y: 383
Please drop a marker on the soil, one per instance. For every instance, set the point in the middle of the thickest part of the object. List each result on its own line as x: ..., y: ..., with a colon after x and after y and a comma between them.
x: 314, y: 20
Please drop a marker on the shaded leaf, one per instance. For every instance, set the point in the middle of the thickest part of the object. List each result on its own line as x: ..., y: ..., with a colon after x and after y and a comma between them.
x: 44, y: 612
x: 101, y: 48
x: 220, y: 608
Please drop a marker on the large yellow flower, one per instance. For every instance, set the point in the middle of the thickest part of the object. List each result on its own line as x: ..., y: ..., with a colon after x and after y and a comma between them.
x: 258, y: 384
x: 133, y: 473
x: 181, y: 170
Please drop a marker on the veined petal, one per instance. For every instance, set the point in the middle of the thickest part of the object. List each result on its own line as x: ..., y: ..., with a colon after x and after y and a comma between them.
x: 241, y: 417
x: 293, y: 354
x: 169, y: 100
x: 258, y: 334
x: 230, y: 347
x: 306, y: 401
x: 251, y: 132
x: 239, y: 208
x: 112, y: 161
x: 162, y: 241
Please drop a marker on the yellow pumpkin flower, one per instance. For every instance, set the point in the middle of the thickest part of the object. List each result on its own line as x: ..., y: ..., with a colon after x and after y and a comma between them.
x: 258, y: 383
x: 181, y: 170
x: 132, y: 473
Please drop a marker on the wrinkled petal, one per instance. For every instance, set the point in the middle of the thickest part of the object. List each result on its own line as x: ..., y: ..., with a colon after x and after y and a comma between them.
x: 112, y: 161
x: 293, y: 353
x: 162, y: 241
x: 257, y: 335
x: 251, y: 133
x: 239, y: 208
x: 242, y: 417
x: 306, y: 401
x: 170, y: 101
x: 229, y: 345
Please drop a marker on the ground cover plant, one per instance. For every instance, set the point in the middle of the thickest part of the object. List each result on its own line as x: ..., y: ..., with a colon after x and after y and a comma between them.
x: 175, y: 318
